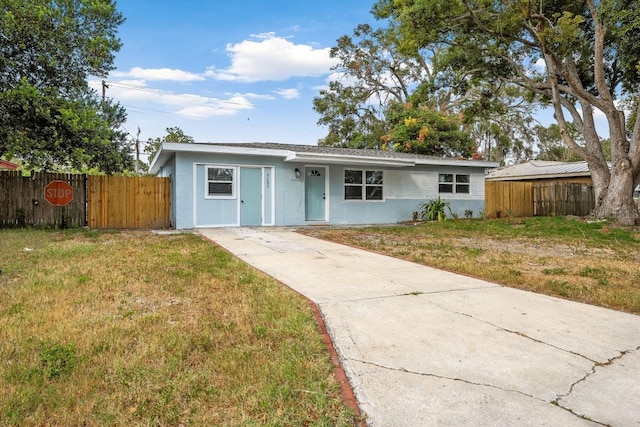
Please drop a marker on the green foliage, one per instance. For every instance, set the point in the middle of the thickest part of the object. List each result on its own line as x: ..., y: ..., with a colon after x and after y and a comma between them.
x: 353, y: 109
x: 49, y: 117
x: 434, y: 210
x: 427, y: 131
x: 551, y: 145
x: 576, y: 56
x: 380, y: 70
x: 174, y: 134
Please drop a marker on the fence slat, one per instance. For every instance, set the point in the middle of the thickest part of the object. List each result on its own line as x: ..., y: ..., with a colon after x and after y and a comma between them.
x: 128, y: 202
x: 98, y: 201
x: 506, y: 198
x: 23, y: 203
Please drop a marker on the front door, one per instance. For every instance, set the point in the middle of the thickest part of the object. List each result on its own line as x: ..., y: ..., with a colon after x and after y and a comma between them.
x: 315, y: 195
x: 250, y: 196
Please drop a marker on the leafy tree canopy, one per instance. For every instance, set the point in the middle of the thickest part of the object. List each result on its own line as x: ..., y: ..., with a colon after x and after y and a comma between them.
x: 49, y: 117
x: 427, y: 131
x: 375, y: 74
x: 174, y: 134
x: 575, y: 55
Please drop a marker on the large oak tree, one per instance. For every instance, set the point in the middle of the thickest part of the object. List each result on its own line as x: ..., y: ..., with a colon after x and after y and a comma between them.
x: 579, y: 56
x: 49, y: 117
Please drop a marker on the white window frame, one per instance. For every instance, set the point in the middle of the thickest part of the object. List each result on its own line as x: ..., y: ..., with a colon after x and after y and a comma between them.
x: 454, y: 183
x: 234, y: 182
x: 363, y: 185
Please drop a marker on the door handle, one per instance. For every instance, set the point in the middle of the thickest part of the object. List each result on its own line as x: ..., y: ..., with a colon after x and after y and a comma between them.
x: 323, y: 197
x: 241, y: 201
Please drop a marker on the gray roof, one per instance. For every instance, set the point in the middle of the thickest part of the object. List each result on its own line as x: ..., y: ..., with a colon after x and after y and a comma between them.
x: 313, y: 153
x: 299, y: 148
x: 538, y: 169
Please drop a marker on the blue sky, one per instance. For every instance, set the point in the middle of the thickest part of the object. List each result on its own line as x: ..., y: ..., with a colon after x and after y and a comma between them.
x: 228, y: 71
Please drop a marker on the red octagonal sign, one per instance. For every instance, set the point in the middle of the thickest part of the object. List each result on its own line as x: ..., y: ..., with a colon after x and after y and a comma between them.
x: 58, y: 193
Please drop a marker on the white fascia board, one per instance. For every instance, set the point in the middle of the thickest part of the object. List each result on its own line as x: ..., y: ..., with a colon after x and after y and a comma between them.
x: 222, y: 149
x: 169, y: 148
x: 454, y: 162
x: 323, y: 158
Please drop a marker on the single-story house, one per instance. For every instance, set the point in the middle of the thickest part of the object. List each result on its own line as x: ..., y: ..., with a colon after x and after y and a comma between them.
x: 5, y: 165
x: 266, y: 184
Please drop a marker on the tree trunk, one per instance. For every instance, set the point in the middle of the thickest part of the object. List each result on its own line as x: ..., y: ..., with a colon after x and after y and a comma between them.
x: 614, y: 196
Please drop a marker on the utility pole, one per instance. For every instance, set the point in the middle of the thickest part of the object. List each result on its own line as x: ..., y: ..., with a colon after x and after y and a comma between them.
x: 138, y: 152
x: 105, y: 86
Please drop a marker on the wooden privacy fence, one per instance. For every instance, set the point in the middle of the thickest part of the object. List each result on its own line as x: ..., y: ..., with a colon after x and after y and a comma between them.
x: 519, y: 199
x: 507, y: 198
x: 128, y: 202
x: 23, y: 202
x: 97, y: 201
x: 555, y: 199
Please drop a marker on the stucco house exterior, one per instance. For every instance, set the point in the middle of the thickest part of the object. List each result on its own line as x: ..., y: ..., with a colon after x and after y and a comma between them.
x: 267, y: 184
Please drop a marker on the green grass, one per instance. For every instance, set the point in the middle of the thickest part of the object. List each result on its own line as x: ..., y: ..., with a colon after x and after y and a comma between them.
x: 132, y: 328
x: 592, y: 262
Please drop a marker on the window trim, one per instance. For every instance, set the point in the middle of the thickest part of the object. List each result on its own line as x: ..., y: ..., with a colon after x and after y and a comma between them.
x: 454, y: 183
x: 363, y: 185
x: 234, y: 179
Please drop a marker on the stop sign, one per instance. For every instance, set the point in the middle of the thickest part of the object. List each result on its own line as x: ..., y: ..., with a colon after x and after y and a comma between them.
x: 58, y: 193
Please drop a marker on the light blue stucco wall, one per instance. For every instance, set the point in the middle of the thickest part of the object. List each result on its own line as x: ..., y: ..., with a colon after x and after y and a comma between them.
x: 168, y: 171
x: 284, y: 194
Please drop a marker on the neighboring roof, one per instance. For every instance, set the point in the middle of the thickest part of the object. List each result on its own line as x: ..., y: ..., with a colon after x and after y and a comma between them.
x: 538, y: 169
x: 8, y: 165
x: 312, y: 153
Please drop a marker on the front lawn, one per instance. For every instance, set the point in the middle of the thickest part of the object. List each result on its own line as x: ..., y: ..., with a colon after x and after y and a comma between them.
x: 133, y: 328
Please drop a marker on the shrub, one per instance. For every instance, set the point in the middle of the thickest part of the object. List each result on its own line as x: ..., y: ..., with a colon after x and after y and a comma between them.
x: 434, y: 210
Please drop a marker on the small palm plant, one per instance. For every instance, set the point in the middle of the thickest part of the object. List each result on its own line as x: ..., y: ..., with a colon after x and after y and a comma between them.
x: 434, y: 210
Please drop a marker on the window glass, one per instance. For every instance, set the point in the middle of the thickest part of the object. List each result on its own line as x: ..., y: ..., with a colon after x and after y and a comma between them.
x: 352, y: 177
x: 353, y: 192
x: 374, y: 192
x: 445, y: 188
x: 220, y: 182
x: 452, y: 183
x: 359, y: 185
x: 220, y: 174
x: 374, y: 177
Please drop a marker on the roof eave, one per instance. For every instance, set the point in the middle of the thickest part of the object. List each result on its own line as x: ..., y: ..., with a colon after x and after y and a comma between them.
x: 167, y: 149
x: 340, y: 159
x: 535, y: 177
x: 457, y: 162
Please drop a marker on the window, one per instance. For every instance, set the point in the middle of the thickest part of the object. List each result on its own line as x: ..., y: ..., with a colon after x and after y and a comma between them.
x: 363, y: 183
x: 453, y: 183
x: 220, y: 182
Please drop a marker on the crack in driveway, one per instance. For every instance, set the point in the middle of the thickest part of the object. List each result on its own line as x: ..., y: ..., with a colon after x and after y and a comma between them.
x: 594, y: 368
x: 518, y: 333
x: 478, y: 384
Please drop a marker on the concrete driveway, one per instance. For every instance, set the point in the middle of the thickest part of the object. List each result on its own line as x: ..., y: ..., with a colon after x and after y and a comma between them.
x: 423, y: 347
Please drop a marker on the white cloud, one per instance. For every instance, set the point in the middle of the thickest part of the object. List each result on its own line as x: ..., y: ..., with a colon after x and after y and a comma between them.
x: 271, y: 58
x: 196, y: 106
x: 155, y: 74
x: 252, y: 95
x: 289, y: 93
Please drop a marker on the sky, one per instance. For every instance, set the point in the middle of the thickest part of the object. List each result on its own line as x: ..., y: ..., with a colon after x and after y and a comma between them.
x: 228, y: 71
